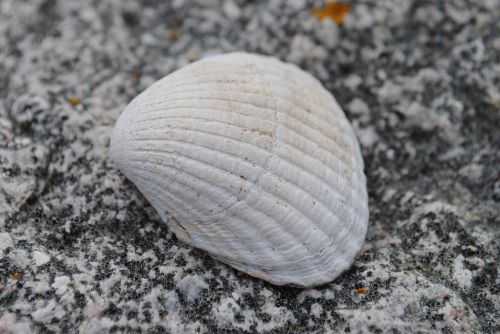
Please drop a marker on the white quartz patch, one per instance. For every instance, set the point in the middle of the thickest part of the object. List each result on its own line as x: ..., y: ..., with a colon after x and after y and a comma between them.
x: 5, y: 241
x: 191, y: 287
x: 40, y: 258
x: 61, y: 284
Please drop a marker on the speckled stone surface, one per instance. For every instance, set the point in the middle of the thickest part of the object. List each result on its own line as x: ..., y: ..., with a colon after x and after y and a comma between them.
x: 82, y: 251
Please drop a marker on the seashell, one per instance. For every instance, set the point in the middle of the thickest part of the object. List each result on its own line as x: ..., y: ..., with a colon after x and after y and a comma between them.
x: 253, y: 161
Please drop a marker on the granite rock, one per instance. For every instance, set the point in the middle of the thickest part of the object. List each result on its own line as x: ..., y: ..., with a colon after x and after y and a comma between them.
x: 82, y: 251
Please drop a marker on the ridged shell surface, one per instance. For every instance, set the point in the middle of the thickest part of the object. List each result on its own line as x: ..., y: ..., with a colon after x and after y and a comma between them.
x: 253, y: 161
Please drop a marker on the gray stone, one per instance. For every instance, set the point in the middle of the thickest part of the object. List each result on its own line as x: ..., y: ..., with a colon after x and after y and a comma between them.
x: 81, y: 248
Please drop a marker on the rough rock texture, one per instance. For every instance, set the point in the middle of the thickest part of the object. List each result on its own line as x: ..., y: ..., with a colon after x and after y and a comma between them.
x: 81, y: 250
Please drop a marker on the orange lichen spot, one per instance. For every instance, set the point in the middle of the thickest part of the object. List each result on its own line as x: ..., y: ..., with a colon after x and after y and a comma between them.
x: 136, y: 78
x: 74, y: 101
x: 361, y: 290
x: 172, y: 33
x: 16, y: 276
x: 333, y: 10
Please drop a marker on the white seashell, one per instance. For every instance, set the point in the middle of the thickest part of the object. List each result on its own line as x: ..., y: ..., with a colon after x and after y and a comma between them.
x: 256, y: 163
